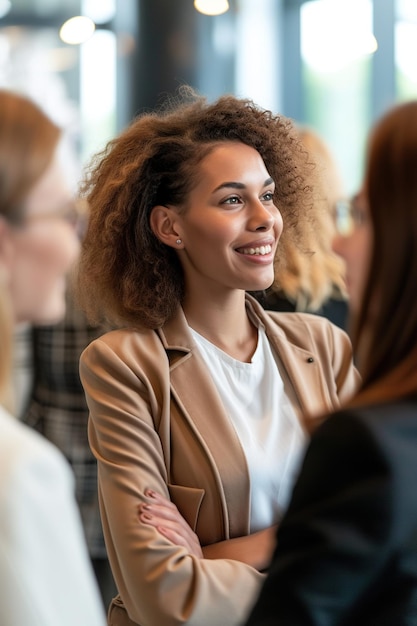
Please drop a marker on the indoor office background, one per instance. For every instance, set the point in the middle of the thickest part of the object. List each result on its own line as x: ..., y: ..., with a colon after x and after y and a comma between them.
x: 335, y: 65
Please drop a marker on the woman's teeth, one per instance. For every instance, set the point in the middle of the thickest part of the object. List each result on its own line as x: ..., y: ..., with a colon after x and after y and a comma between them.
x: 261, y: 250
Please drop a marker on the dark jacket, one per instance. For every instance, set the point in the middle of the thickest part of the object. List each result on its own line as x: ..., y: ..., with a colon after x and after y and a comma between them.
x: 347, y: 547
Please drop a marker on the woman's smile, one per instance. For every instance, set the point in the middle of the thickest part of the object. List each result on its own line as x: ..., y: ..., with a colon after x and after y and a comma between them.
x: 231, y: 227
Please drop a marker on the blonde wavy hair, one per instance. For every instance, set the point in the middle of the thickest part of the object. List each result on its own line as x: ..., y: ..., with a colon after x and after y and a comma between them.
x: 314, y: 273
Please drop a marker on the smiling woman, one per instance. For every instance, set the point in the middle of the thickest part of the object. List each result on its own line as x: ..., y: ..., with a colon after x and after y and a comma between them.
x: 234, y: 246
x: 200, y: 408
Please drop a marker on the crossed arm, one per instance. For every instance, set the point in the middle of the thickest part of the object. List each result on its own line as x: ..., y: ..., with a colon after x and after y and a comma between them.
x: 254, y: 550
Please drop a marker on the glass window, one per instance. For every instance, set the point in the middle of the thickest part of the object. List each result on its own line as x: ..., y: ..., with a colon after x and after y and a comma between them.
x: 97, y: 92
x: 257, y: 22
x: 337, y: 43
x: 406, y: 49
x: 74, y: 84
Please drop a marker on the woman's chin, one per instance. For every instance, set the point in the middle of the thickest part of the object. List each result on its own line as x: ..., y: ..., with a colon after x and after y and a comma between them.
x: 51, y: 313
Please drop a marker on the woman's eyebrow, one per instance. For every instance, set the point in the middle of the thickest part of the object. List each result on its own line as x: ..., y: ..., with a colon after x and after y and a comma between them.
x: 233, y: 185
x: 236, y: 185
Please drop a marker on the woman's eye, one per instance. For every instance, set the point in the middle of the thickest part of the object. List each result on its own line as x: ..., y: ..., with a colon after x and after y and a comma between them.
x: 268, y: 196
x: 232, y: 200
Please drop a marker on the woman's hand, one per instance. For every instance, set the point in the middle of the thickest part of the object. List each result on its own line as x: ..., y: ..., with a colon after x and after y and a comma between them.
x: 163, y: 515
x: 255, y: 550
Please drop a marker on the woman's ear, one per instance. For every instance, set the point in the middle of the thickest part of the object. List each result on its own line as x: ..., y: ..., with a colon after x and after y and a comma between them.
x: 163, y: 221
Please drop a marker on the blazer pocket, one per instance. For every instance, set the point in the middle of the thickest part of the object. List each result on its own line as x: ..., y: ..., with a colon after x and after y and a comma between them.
x: 188, y: 501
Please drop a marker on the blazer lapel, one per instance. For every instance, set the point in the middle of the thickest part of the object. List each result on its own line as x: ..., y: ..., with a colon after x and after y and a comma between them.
x: 300, y: 370
x: 197, y: 396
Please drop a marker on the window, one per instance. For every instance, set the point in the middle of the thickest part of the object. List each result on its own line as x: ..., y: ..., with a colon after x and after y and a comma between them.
x: 337, y: 44
x: 406, y: 49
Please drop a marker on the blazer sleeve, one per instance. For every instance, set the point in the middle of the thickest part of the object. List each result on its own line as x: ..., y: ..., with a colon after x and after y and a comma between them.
x: 159, y: 583
x: 335, y: 536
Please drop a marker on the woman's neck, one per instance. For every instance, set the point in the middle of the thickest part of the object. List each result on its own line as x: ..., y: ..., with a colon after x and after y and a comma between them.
x: 225, y: 324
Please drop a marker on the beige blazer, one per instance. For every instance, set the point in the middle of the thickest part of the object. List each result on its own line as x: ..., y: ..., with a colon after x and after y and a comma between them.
x: 156, y: 421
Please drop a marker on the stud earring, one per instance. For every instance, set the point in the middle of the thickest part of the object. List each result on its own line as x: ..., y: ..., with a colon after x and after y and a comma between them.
x: 178, y: 242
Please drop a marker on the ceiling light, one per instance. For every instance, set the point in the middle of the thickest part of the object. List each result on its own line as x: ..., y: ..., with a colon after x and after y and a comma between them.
x: 211, y: 7
x: 77, y: 30
x: 5, y: 7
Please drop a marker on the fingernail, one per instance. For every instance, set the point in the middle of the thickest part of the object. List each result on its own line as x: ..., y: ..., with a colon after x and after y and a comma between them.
x: 150, y: 493
x: 146, y: 516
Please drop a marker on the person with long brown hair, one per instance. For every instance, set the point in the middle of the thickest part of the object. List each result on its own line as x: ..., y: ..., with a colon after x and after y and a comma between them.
x: 346, y: 549
x: 45, y: 574
x: 203, y: 397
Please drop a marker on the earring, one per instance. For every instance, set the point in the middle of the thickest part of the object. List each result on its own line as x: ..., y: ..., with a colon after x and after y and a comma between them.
x: 178, y: 242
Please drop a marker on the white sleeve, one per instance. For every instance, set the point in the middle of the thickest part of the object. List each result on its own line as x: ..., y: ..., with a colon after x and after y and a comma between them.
x: 46, y: 577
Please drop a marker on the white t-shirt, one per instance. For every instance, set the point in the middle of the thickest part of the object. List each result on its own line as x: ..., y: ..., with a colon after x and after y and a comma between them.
x: 46, y: 577
x: 272, y: 438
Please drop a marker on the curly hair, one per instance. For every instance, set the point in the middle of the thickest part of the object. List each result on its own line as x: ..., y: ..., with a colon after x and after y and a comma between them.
x: 125, y: 272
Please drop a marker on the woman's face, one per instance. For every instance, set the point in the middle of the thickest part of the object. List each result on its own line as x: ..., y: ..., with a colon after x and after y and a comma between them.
x: 354, y: 244
x: 231, y: 227
x: 40, y: 251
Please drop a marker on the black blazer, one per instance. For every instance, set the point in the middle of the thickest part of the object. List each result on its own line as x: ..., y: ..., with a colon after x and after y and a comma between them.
x: 347, y: 546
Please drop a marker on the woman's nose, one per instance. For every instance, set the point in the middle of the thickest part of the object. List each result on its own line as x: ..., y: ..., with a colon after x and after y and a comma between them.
x: 262, y: 217
x: 338, y: 244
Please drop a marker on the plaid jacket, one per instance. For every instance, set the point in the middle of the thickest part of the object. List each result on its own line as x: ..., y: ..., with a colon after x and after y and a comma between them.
x: 57, y: 409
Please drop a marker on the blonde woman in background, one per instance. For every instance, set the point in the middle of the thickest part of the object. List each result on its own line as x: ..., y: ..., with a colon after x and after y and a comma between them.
x: 312, y: 279
x: 45, y: 575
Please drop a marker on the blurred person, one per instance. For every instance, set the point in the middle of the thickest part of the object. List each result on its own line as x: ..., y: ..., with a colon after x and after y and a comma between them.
x: 346, y: 549
x: 313, y: 278
x: 45, y: 574
x: 200, y: 404
x: 350, y: 243
x: 57, y: 409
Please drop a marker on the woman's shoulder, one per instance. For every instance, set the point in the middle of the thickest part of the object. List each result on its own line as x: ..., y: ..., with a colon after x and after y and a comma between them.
x: 306, y: 331
x: 24, y: 452
x: 390, y: 426
x: 387, y: 422
x: 134, y: 352
x: 299, y: 327
x: 123, y: 340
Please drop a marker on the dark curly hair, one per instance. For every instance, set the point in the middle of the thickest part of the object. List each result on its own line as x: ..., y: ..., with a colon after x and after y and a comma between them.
x: 125, y: 272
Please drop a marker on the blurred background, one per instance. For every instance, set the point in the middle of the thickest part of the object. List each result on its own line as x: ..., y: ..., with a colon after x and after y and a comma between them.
x: 334, y: 65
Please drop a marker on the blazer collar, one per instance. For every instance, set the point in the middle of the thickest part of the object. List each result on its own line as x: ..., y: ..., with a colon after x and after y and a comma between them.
x: 296, y: 363
x: 175, y: 334
x: 199, y: 402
